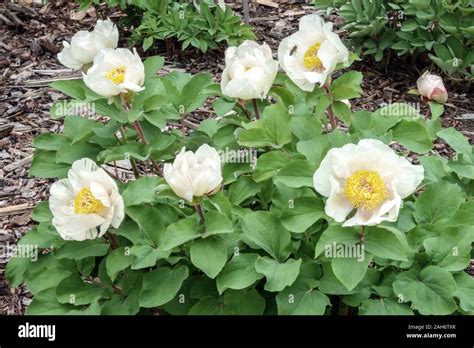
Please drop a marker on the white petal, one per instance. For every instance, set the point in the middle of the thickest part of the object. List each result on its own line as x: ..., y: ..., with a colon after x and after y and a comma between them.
x: 66, y: 58
x: 119, y: 210
x: 337, y: 206
x: 100, y: 193
x: 78, y: 226
x: 311, y: 22
x: 178, y: 182
x: 204, y: 179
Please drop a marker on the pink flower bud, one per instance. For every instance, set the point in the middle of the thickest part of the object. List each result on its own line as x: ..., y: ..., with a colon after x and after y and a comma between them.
x: 432, y: 88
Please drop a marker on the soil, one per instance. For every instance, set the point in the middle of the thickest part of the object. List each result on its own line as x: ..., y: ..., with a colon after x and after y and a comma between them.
x: 32, y: 35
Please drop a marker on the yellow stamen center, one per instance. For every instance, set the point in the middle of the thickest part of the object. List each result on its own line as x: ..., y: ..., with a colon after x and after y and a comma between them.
x: 116, y: 75
x: 365, y: 189
x: 311, y: 59
x: 86, y: 203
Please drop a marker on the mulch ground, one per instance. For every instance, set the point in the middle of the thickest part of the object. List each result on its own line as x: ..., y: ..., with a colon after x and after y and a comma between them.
x: 30, y: 38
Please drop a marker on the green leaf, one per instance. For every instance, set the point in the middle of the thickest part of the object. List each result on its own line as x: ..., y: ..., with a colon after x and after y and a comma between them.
x: 44, y: 236
x: 232, y: 302
x: 336, y: 234
x: 242, y: 189
x: 152, y: 65
x: 222, y: 106
x: 437, y: 109
x: 266, y: 231
x: 191, y: 94
x: 276, y: 121
x: 465, y: 291
x: 72, y: 88
x: 209, y: 255
x: 15, y: 270
x: 161, y: 285
x: 278, y: 275
x: 296, y: 174
x: 45, y: 303
x: 144, y: 256
x: 306, y: 127
x: 117, y: 153
x: 436, y: 168
x: 78, y: 128
x: 384, y: 243
x: 384, y: 306
x: 409, y: 25
x: 239, y: 273
x: 69, y: 153
x: 151, y: 219
x: 216, y: 223
x: 254, y: 137
x: 50, y: 141
x: 78, y: 250
x: 413, y: 135
x: 41, y: 213
x: 209, y: 126
x: 350, y: 270
x: 140, y: 191
x: 268, y: 164
x: 431, y: 290
x: 75, y: 291
x: 457, y: 141
x: 440, y: 201
x: 347, y: 86
x: 313, y: 149
x: 118, y: 260
x: 44, y: 166
x: 452, y: 249
x: 299, y: 300
x: 45, y: 277
x: 301, y: 213
x: 181, y: 232
x: 330, y: 285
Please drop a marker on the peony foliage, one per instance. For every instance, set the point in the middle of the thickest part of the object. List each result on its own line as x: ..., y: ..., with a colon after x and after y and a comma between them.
x: 285, y: 201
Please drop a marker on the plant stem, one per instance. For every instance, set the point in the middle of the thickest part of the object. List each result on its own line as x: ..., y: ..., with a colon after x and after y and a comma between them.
x: 183, y: 126
x: 362, y: 234
x: 141, y: 135
x: 255, y: 107
x: 428, y: 112
x: 332, y: 117
x: 113, y: 240
x: 136, y: 173
x: 343, y: 308
x: 113, y: 176
x: 200, y: 212
x: 245, y: 110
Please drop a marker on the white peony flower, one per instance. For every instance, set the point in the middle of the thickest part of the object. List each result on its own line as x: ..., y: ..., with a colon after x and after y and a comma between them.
x: 194, y: 174
x: 115, y: 71
x: 311, y: 54
x: 432, y: 88
x: 368, y: 177
x: 249, y: 71
x: 86, y: 203
x: 85, y: 45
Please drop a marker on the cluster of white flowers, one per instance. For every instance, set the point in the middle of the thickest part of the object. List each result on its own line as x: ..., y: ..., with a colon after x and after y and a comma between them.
x: 308, y: 57
x: 107, y: 70
x: 365, y: 182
